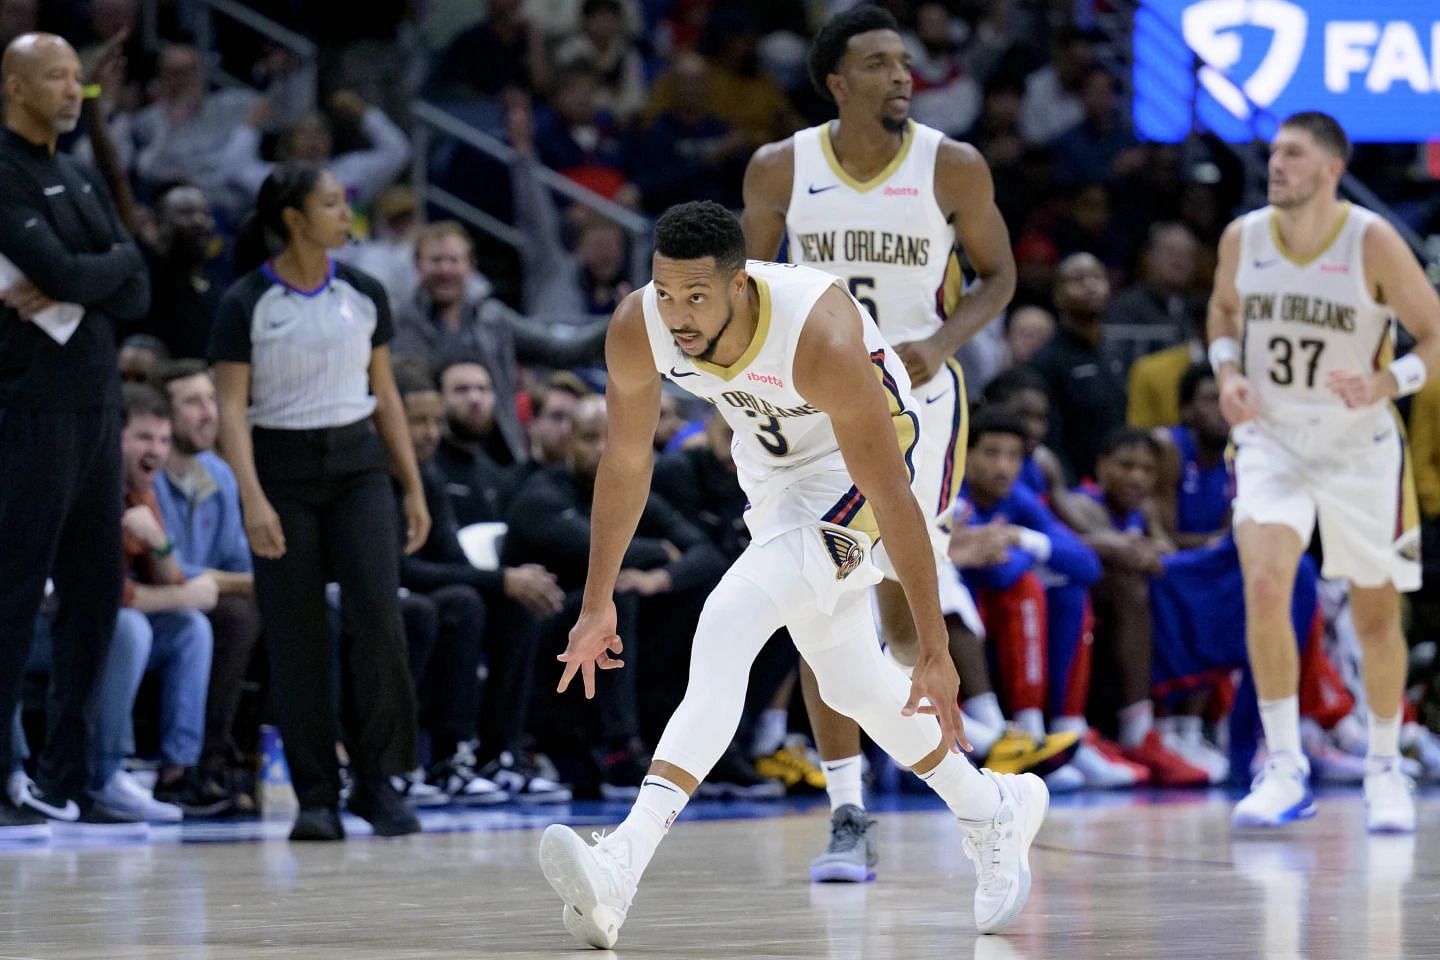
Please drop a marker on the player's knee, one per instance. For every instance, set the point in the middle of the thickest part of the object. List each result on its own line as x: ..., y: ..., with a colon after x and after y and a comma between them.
x: 1267, y: 589
x: 1376, y: 623
x: 843, y: 691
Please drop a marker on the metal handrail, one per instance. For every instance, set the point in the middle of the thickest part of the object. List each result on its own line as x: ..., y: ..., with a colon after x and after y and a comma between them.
x: 429, y: 119
x: 445, y: 122
x: 281, y: 34
x: 301, y: 46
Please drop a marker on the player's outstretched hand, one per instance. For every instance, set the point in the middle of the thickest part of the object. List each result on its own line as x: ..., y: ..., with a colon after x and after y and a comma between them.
x: 1239, y: 400
x: 1356, y: 389
x: 934, y: 679
x: 592, y: 641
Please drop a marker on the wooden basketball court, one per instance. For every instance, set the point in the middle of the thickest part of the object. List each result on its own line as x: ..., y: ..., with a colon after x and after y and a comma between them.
x: 1127, y: 877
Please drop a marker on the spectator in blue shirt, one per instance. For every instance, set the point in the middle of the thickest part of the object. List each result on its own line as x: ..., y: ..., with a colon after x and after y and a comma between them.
x: 1033, y: 594
x: 200, y: 505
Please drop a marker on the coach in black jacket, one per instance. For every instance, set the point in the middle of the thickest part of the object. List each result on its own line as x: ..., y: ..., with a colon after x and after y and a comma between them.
x: 60, y: 497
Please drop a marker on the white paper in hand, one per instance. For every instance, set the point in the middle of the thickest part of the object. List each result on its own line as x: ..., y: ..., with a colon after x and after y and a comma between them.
x: 60, y: 321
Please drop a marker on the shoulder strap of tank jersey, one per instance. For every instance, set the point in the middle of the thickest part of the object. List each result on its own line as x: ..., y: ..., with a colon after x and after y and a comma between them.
x: 798, y: 305
x: 1255, y: 232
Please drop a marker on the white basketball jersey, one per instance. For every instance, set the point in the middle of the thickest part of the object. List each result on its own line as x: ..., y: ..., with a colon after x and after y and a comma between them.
x: 1305, y: 319
x: 885, y: 237
x: 785, y: 451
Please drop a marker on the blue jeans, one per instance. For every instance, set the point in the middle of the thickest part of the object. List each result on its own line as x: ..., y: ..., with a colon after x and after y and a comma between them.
x: 19, y: 748
x: 178, y: 644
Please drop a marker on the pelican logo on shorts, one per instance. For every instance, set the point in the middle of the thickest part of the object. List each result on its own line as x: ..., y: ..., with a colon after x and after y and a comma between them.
x: 1408, y: 547
x: 845, y: 551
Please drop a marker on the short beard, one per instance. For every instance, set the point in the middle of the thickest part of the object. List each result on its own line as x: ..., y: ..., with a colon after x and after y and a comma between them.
x: 183, y: 446
x: 894, y: 124
x: 1296, y: 199
x: 465, y: 433
x: 708, y: 354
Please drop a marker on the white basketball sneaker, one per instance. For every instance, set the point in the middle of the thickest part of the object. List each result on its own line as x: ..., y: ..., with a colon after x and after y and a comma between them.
x: 596, y: 883
x: 1389, y: 804
x: 1067, y: 779
x: 1101, y: 772
x: 1280, y: 794
x: 1000, y: 848
x: 1192, y: 747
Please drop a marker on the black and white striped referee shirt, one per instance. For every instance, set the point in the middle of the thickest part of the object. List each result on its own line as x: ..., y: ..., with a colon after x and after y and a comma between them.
x: 308, y: 350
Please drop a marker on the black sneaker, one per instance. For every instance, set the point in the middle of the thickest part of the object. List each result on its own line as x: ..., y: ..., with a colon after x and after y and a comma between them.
x: 196, y: 794
x: 19, y: 824
x: 523, y: 781
x: 458, y: 779
x: 377, y: 802
x: 735, y: 777
x: 317, y: 825
x: 621, y: 772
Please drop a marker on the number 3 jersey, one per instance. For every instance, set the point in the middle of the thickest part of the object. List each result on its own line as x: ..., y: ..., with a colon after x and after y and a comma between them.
x: 1303, y: 319
x: 785, y: 450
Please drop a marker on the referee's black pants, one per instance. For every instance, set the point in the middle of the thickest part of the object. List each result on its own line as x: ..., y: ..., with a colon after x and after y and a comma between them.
x: 337, y: 512
x: 60, y: 506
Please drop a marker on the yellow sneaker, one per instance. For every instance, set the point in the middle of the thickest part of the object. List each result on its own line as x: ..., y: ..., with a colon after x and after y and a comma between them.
x: 790, y: 766
x: 1018, y: 752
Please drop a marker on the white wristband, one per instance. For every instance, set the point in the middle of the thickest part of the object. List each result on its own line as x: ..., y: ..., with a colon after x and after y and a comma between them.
x: 1035, y: 543
x: 1222, y: 351
x: 1409, y: 372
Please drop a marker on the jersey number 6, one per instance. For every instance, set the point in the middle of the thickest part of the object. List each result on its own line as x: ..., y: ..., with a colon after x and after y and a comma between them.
x: 859, y: 285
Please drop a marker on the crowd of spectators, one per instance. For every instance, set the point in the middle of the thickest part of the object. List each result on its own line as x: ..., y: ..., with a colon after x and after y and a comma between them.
x: 1096, y: 474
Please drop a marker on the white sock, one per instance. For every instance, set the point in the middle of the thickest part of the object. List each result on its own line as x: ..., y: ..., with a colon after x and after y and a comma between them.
x: 963, y: 788
x: 982, y: 736
x: 1384, y: 737
x: 770, y: 730
x: 1281, y: 720
x: 986, y: 709
x: 1136, y: 722
x: 842, y: 782
x: 1075, y: 725
x: 1190, y: 729
x: 659, y: 803
x: 1032, y: 721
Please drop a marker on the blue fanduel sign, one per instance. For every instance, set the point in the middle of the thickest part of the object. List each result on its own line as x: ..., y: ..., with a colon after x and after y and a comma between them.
x: 1373, y: 64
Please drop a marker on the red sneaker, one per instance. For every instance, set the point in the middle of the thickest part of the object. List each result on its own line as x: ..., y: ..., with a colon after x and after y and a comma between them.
x: 1111, y: 751
x: 1167, y: 768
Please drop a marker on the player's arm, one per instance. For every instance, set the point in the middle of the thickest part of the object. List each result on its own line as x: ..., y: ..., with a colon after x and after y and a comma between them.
x: 1090, y: 520
x: 1167, y: 487
x: 768, y: 179
x: 834, y: 372
x: 1061, y: 500
x: 622, y: 486
x: 1224, y: 327
x: 1395, y: 277
x: 966, y: 194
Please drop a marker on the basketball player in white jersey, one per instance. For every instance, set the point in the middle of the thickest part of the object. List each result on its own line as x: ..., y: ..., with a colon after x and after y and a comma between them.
x: 1301, y: 339
x: 881, y: 202
x: 824, y: 426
